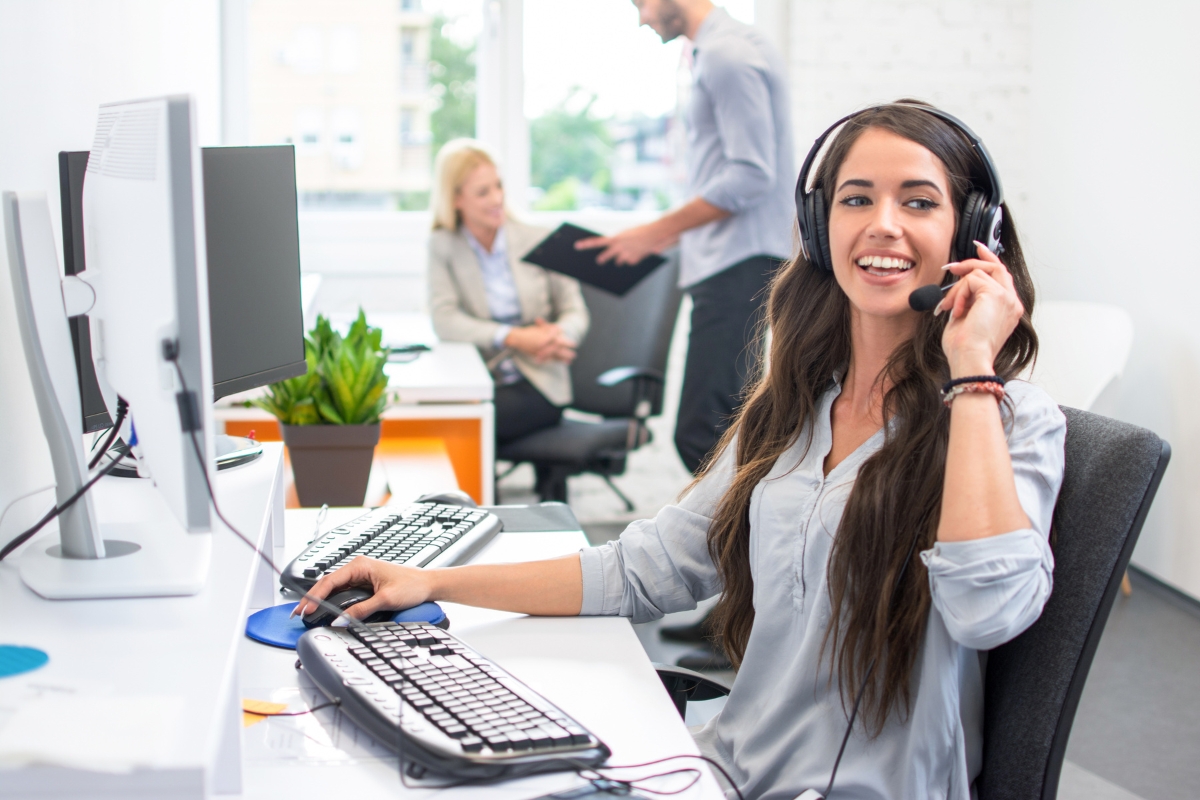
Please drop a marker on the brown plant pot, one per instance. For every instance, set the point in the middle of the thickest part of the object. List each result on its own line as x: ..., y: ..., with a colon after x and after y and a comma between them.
x: 331, y: 463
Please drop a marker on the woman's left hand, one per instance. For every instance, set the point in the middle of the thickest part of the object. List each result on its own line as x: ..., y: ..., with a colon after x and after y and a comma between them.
x: 984, y: 310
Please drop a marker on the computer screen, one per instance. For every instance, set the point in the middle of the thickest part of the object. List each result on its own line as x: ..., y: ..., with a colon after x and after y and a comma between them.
x: 255, y: 312
x: 256, y: 315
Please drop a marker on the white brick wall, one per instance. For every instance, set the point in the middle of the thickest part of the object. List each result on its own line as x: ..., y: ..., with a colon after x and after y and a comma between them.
x: 970, y: 57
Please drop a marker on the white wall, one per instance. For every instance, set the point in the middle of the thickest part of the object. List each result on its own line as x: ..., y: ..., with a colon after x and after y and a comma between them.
x: 1115, y: 170
x: 971, y: 57
x: 59, y: 59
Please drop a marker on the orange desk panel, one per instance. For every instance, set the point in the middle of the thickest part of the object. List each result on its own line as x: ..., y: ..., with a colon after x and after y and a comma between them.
x: 462, y: 438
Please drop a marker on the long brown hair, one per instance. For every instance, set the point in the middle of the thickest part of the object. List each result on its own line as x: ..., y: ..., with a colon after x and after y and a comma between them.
x: 896, y: 498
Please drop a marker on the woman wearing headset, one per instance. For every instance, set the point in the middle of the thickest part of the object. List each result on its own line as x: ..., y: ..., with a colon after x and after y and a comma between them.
x: 859, y: 448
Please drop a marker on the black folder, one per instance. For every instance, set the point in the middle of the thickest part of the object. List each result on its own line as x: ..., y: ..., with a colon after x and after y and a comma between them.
x: 557, y: 252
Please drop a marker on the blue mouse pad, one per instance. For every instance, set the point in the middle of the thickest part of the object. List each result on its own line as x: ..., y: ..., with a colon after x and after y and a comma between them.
x: 15, y: 659
x: 276, y: 626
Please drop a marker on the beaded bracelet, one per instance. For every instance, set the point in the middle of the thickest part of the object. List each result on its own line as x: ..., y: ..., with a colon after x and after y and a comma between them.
x: 990, y: 387
x: 972, y: 379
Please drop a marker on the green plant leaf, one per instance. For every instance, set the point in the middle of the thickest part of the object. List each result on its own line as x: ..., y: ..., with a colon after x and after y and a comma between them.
x: 345, y: 383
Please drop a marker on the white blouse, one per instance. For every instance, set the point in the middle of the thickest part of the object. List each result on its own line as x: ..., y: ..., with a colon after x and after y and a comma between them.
x: 781, y: 727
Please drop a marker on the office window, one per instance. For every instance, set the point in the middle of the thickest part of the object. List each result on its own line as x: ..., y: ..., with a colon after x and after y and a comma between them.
x: 602, y: 98
x: 452, y: 45
x: 341, y: 78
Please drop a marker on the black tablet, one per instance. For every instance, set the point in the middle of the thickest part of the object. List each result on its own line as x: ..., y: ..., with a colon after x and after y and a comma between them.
x: 557, y: 252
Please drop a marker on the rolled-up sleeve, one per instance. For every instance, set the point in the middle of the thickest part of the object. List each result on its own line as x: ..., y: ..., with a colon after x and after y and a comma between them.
x: 990, y: 590
x: 744, y: 118
x: 659, y: 565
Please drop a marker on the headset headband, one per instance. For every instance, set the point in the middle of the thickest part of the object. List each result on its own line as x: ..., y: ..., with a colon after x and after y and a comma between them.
x: 996, y: 196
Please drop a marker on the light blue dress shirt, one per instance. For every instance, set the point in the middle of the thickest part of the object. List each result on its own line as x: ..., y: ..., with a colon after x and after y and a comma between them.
x: 779, y: 732
x: 739, y: 154
x: 503, y: 301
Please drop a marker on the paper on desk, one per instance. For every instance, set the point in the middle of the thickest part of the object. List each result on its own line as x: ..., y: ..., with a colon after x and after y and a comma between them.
x: 98, y: 733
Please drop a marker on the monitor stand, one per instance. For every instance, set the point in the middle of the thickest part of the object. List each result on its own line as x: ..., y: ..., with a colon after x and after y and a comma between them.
x: 135, y: 547
x: 141, y: 559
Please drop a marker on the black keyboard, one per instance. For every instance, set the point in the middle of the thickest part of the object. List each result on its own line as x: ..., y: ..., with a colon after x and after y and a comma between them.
x: 419, y: 535
x: 444, y: 707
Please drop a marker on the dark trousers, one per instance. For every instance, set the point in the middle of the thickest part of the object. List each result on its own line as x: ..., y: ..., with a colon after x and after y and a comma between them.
x: 722, y: 353
x: 520, y: 410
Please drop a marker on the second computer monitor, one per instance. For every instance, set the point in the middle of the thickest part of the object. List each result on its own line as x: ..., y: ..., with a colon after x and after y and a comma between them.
x: 255, y: 314
x: 257, y: 318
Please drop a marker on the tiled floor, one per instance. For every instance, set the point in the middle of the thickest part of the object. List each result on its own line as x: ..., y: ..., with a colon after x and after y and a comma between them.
x: 1137, y: 732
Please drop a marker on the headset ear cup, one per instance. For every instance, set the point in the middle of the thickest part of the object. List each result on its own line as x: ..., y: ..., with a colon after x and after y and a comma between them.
x: 971, y: 227
x: 820, y: 223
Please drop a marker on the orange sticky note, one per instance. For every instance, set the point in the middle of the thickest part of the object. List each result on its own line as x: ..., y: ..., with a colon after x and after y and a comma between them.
x: 255, y: 711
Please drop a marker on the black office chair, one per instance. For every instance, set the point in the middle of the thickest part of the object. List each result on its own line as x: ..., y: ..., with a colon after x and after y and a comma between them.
x: 1034, y: 682
x: 618, y: 373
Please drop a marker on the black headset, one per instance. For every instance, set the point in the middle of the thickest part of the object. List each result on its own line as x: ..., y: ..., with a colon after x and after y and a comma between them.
x: 980, y: 219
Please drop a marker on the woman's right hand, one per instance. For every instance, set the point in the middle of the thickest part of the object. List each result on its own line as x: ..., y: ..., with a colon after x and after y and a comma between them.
x: 542, y: 341
x: 394, y: 586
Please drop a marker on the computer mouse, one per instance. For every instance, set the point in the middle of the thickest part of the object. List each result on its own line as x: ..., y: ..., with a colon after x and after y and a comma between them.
x: 453, y: 497
x: 343, y: 600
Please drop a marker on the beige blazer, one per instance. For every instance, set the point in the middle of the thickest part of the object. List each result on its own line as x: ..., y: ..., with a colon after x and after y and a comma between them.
x: 458, y: 302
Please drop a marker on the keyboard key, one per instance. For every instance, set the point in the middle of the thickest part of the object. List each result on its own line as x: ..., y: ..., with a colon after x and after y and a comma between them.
x: 578, y: 734
x: 471, y: 744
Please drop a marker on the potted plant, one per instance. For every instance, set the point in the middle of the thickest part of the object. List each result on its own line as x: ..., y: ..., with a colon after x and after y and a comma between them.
x: 330, y: 415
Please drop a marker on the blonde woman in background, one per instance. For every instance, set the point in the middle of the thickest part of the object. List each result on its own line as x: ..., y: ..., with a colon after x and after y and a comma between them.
x: 525, y: 320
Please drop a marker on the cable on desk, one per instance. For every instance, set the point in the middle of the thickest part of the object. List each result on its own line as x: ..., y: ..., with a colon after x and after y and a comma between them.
x: 604, y: 768
x: 172, y: 354
x: 637, y: 783
x: 54, y: 512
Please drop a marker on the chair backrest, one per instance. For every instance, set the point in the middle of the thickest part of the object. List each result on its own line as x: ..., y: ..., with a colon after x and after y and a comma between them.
x: 1034, y: 682
x: 1082, y: 348
x: 630, y: 331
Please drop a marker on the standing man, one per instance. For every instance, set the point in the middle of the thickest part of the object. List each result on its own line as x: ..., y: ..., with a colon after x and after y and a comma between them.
x: 738, y: 225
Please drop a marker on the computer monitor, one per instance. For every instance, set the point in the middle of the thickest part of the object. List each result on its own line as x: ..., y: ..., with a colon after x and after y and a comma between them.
x: 253, y: 240
x: 145, y: 289
x: 253, y: 245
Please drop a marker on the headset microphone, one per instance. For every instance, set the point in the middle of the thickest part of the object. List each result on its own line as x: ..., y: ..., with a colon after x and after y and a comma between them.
x: 927, y: 297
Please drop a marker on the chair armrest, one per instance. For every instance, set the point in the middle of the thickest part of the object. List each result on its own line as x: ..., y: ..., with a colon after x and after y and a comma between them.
x: 685, y: 684
x: 618, y: 375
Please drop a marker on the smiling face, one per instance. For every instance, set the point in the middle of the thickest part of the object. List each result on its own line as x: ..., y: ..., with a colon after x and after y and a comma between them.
x: 480, y: 199
x: 891, y: 223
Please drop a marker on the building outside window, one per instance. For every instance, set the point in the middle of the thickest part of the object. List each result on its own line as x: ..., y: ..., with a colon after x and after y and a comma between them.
x: 338, y: 80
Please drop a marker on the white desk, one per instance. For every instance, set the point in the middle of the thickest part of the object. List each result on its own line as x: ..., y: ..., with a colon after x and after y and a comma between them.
x: 183, y: 649
x: 592, y: 667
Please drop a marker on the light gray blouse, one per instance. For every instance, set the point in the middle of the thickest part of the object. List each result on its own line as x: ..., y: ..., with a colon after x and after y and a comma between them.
x: 780, y: 730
